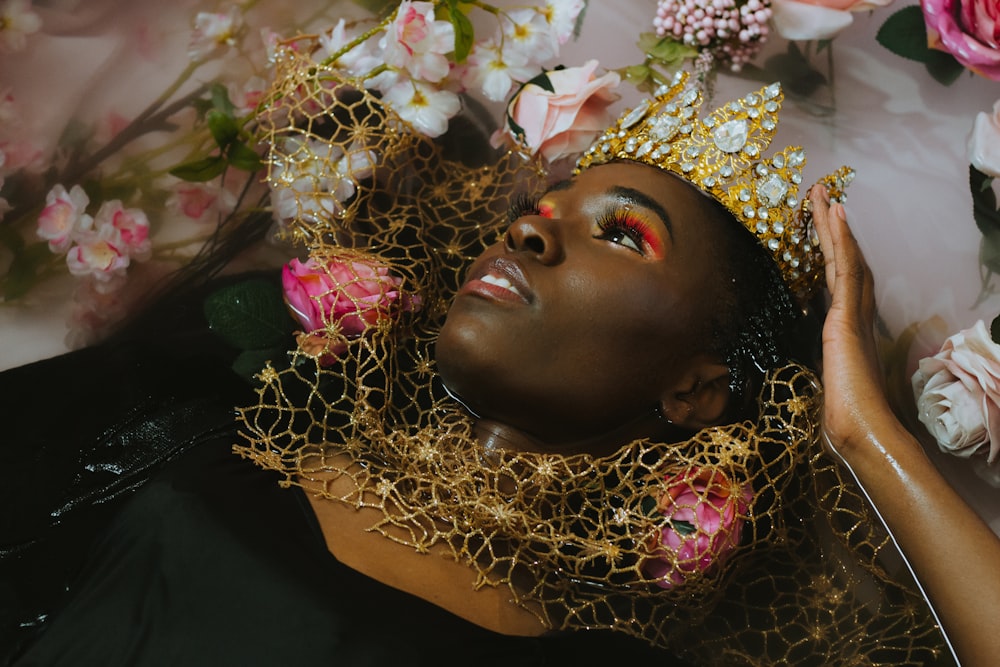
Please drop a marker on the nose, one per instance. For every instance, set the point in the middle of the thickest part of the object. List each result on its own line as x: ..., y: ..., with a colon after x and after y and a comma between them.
x: 537, y: 236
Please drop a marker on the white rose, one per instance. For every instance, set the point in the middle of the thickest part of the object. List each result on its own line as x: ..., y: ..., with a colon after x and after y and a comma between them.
x: 984, y: 142
x: 958, y: 393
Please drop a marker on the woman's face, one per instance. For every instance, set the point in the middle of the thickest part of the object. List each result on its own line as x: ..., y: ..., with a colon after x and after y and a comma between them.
x: 590, y: 309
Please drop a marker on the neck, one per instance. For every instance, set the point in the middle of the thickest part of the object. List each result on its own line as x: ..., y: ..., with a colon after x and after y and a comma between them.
x: 494, y: 435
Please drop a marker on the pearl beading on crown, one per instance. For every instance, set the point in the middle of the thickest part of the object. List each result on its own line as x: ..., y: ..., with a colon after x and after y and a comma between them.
x: 722, y: 156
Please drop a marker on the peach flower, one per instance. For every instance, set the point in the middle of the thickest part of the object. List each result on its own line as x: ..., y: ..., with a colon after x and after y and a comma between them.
x: 958, y: 393
x: 967, y: 29
x: 562, y: 121
x: 703, y: 513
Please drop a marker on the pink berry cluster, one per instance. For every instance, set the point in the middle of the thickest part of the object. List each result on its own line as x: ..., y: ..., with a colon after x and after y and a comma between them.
x: 733, y: 30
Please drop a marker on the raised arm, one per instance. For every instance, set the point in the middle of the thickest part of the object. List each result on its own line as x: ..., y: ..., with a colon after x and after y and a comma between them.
x: 953, y: 552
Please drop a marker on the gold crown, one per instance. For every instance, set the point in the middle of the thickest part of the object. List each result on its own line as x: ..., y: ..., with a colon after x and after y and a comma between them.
x: 722, y: 156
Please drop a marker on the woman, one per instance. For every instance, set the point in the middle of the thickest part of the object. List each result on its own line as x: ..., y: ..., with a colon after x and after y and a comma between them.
x: 199, y: 525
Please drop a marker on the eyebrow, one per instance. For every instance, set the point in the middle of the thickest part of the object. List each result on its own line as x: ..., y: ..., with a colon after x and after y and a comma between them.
x: 628, y: 196
x: 637, y: 198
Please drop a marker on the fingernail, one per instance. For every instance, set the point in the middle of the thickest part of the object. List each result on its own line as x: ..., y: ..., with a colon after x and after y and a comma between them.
x: 839, y: 211
x: 823, y: 193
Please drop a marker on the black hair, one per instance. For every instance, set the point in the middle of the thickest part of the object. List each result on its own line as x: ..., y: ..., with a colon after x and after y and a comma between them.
x: 755, y: 323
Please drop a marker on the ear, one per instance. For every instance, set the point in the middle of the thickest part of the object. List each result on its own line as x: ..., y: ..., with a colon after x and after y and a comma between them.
x: 700, y: 398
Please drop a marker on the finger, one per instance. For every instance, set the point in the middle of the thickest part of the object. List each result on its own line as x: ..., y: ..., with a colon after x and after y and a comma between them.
x: 820, y: 200
x: 855, y: 285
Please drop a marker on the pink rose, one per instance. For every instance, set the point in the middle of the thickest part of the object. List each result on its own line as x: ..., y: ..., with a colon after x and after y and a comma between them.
x: 562, y: 121
x: 818, y: 19
x: 984, y: 142
x: 353, y: 295
x: 703, y: 515
x: 958, y: 391
x: 967, y: 29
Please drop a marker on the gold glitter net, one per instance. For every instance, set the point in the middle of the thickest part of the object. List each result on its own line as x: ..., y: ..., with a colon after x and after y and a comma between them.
x: 791, y: 567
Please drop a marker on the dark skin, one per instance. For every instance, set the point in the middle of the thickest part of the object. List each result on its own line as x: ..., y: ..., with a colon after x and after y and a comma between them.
x: 581, y: 330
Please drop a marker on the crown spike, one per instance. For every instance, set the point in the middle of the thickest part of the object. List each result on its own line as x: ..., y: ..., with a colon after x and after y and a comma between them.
x: 723, y: 155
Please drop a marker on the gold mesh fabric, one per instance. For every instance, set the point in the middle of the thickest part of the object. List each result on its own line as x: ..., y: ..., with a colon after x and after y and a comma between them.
x: 795, y: 574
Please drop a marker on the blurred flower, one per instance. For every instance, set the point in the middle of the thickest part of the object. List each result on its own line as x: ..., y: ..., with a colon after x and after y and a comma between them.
x: 984, y: 142
x: 703, y: 514
x: 17, y: 21
x: 63, y: 215
x: 818, y: 19
x: 201, y: 201
x: 958, y: 391
x: 214, y: 32
x: 561, y: 115
x: 98, y: 254
x: 415, y: 41
x: 967, y: 29
x: 130, y: 228
x: 733, y: 33
x: 352, y: 296
x: 562, y: 16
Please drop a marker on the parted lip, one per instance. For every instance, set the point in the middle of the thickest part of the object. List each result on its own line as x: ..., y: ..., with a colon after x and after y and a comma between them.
x: 503, y: 268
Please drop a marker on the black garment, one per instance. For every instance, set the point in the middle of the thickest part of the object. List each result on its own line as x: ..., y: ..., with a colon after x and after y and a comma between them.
x: 131, y: 535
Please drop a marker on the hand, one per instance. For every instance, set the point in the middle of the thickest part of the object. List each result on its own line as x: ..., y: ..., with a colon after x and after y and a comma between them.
x: 854, y: 400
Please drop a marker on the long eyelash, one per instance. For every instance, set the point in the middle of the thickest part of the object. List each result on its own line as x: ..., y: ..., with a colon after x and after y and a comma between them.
x: 523, y: 204
x: 634, y: 229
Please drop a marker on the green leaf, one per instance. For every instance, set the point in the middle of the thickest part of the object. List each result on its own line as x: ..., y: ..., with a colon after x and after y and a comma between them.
x: 250, y: 315
x: 665, y: 49
x: 243, y: 157
x: 682, y: 527
x: 636, y: 74
x: 23, y: 271
x: 989, y: 251
x: 464, y: 32
x: 984, y: 202
x: 221, y: 101
x: 201, y: 170
x: 223, y: 128
x: 905, y: 34
x: 943, y: 67
x: 542, y: 81
x: 995, y: 329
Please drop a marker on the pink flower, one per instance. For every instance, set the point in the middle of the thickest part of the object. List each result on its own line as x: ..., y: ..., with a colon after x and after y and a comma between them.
x: 214, y: 32
x: 17, y: 21
x: 703, y: 513
x: 352, y: 296
x: 200, y: 201
x: 984, y: 142
x: 563, y: 121
x: 958, y: 393
x: 63, y: 216
x: 967, y: 29
x: 98, y: 254
x: 128, y: 228
x: 419, y: 43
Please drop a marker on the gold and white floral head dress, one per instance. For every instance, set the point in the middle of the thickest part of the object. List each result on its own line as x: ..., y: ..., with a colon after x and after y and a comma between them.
x: 746, y: 544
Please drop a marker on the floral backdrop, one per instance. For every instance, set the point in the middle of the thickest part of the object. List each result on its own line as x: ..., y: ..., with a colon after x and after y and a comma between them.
x: 126, y: 143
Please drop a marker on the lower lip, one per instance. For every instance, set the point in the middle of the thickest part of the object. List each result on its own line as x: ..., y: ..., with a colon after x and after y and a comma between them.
x: 491, y: 291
